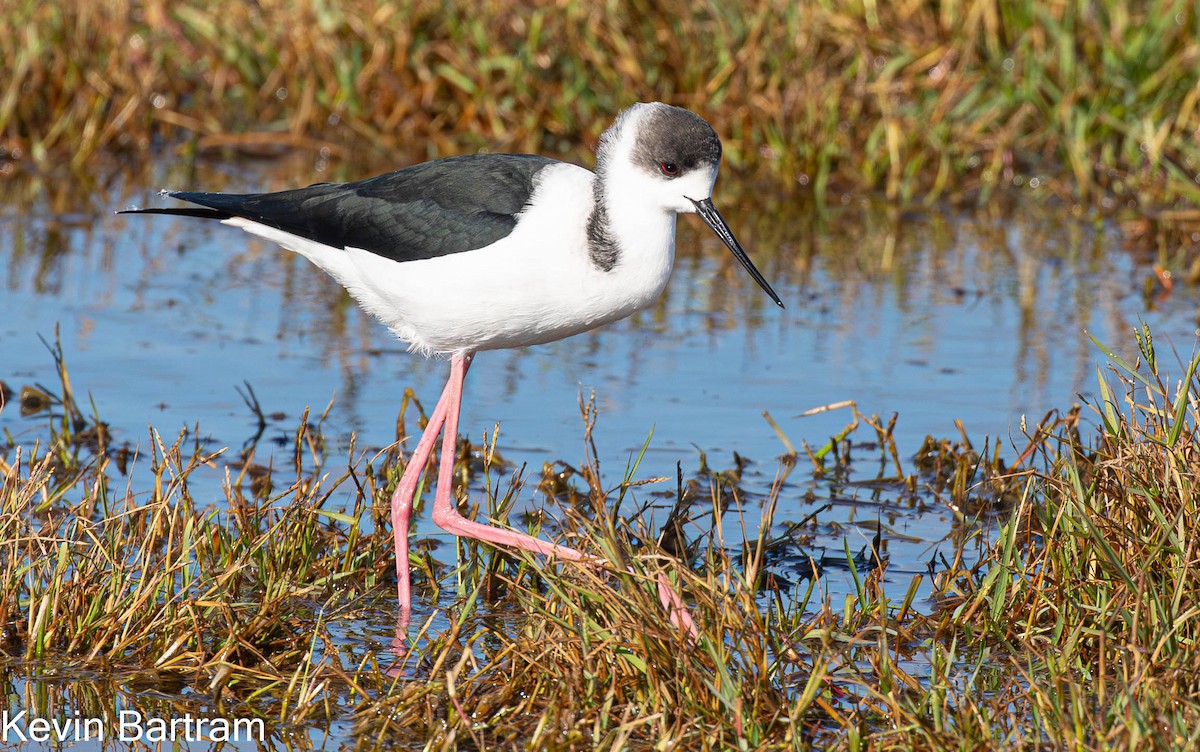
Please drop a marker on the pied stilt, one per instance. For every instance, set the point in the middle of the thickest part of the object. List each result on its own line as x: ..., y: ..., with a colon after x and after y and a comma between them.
x: 495, y: 251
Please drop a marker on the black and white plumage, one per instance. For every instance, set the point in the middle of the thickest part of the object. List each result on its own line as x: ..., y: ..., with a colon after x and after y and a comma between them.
x: 498, y: 250
x: 485, y: 252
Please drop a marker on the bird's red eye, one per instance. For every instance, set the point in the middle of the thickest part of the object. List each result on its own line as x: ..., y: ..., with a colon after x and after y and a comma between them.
x: 670, y: 169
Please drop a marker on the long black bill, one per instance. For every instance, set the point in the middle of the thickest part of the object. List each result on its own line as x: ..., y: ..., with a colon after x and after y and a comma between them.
x: 713, y: 219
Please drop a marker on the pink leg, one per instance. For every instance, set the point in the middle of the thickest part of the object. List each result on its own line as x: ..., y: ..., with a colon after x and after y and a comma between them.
x: 445, y: 514
x: 402, y: 504
x: 679, y: 614
x: 445, y: 420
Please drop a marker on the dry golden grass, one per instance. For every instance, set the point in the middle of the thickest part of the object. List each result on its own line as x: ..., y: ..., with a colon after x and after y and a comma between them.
x: 954, y: 98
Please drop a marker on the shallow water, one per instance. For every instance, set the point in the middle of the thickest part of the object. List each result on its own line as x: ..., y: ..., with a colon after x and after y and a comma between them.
x: 935, y: 315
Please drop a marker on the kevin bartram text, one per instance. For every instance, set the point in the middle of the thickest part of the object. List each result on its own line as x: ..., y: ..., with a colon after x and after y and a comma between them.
x: 127, y: 726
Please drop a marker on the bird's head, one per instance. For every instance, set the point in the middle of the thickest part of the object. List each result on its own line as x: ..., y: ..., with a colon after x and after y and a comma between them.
x: 666, y: 157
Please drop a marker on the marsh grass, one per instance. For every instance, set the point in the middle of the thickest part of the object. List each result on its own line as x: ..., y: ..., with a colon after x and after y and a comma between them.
x: 1094, y: 581
x: 958, y: 99
x: 1064, y: 615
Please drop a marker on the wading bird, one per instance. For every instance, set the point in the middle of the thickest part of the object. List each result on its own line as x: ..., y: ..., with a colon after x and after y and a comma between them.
x: 494, y: 251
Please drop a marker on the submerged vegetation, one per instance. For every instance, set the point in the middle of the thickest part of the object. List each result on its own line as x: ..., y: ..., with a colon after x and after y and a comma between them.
x: 1076, y: 627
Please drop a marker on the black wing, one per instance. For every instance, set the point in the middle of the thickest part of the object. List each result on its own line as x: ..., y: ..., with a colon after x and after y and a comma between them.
x: 424, y: 211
